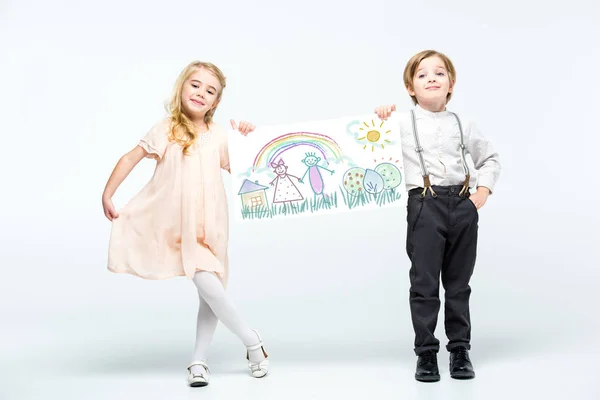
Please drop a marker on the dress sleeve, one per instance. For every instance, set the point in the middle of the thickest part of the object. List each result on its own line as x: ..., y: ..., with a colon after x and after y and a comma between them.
x: 156, y: 140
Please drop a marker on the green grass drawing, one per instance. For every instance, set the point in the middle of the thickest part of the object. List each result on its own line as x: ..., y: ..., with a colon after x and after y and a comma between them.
x: 311, y: 205
x: 256, y: 213
x: 317, y: 203
x: 381, y: 199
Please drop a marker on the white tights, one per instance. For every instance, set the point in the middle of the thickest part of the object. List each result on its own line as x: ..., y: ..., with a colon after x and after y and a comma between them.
x: 215, y: 305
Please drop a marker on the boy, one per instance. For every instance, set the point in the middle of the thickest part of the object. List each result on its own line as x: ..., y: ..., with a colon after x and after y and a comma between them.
x: 442, y: 213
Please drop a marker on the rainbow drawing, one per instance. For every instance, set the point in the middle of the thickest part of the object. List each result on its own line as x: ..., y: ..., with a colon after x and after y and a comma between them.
x: 275, y: 148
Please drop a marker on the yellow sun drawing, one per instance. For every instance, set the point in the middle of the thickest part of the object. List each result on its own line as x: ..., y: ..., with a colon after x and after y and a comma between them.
x: 373, y: 137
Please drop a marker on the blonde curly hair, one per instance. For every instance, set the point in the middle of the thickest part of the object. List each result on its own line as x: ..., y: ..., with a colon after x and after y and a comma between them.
x: 182, y: 129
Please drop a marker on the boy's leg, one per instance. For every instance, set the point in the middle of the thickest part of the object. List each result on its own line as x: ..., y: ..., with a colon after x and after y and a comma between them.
x: 425, y: 244
x: 457, y: 269
x: 459, y: 262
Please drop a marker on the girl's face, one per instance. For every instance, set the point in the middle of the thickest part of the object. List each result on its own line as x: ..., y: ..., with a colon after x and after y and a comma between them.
x: 431, y: 84
x: 281, y: 170
x: 200, y: 93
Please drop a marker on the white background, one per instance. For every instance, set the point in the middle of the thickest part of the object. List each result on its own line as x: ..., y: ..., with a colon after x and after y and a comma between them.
x: 81, y: 82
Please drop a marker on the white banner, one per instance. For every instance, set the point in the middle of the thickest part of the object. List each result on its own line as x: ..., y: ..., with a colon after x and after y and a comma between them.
x: 315, y: 168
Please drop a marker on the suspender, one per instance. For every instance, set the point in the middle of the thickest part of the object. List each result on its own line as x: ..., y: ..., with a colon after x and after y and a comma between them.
x: 425, y: 173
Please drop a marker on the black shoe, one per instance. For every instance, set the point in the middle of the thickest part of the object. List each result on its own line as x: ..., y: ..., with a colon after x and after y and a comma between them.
x: 427, y: 367
x: 460, y: 364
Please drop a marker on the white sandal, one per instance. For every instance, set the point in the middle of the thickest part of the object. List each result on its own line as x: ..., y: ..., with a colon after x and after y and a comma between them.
x: 201, y: 379
x: 261, y: 369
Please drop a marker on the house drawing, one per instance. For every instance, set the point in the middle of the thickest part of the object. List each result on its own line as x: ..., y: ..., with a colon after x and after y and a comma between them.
x: 254, y: 197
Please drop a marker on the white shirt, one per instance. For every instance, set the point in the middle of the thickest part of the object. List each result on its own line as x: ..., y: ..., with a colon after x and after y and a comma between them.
x: 439, y: 137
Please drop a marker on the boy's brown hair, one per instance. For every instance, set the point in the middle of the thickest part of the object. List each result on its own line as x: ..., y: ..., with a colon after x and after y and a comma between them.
x: 413, y: 64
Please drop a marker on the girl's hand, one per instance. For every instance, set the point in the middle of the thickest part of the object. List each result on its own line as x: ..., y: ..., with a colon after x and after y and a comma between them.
x: 384, y: 112
x: 480, y: 197
x: 245, y: 127
x: 109, y: 209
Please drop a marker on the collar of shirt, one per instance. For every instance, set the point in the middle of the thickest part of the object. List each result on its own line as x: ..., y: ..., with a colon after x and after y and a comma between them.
x: 420, y: 112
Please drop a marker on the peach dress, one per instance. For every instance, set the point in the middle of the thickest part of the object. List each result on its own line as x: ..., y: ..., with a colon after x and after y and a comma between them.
x: 178, y: 223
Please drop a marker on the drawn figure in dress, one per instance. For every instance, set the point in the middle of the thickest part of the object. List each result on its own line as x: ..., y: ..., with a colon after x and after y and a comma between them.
x: 285, y: 190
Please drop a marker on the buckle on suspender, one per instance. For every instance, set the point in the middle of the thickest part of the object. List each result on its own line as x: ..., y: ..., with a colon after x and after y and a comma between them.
x: 465, y: 187
x: 427, y: 185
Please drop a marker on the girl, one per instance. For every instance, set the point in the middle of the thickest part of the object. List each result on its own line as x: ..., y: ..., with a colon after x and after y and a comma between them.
x: 177, y: 225
x: 285, y: 190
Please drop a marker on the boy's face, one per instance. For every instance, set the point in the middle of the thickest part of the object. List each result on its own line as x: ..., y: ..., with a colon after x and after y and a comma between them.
x: 311, y: 161
x: 431, y: 84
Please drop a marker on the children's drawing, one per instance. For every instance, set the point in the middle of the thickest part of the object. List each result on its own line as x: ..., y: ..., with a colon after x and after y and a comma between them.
x: 353, y: 181
x: 373, y: 182
x: 317, y: 152
x: 391, y: 175
x: 378, y: 184
x: 370, y: 136
x: 254, y: 197
x: 385, y: 176
x: 285, y: 190
x: 314, y: 175
x: 328, y: 148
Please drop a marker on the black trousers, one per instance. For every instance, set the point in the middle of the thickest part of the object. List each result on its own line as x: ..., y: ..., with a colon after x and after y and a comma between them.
x: 441, y: 240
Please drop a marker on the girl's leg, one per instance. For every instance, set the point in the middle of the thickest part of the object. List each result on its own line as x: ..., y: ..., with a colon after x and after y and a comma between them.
x: 205, y: 329
x: 213, y: 293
